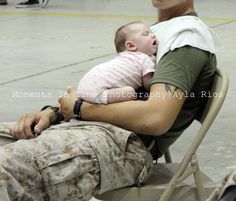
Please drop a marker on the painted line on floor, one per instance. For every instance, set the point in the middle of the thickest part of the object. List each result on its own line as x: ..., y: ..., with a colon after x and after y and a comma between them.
x: 56, y: 69
x: 104, y: 16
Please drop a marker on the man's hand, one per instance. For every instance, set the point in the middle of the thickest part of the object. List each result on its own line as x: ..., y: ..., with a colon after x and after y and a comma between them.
x: 67, y: 104
x: 32, y: 124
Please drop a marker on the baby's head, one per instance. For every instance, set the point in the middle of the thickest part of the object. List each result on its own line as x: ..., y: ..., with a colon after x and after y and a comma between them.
x: 136, y: 36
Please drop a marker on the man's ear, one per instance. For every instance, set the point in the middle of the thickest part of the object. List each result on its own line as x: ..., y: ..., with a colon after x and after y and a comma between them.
x: 130, y: 46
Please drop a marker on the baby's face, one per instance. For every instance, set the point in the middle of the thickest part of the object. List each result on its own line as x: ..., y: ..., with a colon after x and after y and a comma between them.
x: 143, y: 38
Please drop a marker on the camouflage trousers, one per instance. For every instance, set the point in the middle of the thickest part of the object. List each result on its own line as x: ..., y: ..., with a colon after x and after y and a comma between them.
x: 71, y: 162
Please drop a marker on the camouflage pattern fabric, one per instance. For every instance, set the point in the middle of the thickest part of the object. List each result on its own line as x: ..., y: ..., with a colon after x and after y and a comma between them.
x: 229, y: 180
x: 71, y: 162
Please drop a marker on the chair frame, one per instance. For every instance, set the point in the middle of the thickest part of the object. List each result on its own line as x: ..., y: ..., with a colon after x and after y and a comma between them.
x: 189, y: 164
x: 212, y: 108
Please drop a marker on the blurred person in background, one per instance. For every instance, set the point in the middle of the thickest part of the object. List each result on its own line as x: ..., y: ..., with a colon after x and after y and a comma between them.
x: 28, y: 4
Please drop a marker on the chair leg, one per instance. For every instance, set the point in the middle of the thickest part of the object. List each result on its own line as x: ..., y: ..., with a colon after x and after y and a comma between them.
x: 167, y: 156
x: 168, y: 192
x: 198, y: 179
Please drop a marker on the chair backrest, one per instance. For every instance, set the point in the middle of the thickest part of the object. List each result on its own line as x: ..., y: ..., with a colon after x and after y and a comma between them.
x: 212, y: 108
x: 216, y: 98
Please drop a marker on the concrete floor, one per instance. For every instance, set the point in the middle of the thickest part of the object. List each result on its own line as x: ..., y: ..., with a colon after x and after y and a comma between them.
x: 45, y: 50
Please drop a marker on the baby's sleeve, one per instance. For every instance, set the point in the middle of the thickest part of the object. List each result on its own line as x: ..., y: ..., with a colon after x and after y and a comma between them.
x: 148, y: 66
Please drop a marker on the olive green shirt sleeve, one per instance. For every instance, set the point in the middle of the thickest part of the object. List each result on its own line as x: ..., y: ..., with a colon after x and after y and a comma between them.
x: 180, y: 67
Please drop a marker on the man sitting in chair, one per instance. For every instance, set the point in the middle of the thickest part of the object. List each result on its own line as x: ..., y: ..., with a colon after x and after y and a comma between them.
x: 80, y: 159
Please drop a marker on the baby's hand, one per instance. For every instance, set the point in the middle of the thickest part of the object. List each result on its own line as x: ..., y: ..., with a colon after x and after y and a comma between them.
x: 67, y: 104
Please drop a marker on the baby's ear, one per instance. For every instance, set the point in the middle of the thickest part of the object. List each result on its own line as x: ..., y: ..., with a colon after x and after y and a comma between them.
x: 130, y: 46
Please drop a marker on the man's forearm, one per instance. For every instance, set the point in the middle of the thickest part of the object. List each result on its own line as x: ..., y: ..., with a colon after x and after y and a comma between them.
x: 130, y: 115
x: 153, y: 117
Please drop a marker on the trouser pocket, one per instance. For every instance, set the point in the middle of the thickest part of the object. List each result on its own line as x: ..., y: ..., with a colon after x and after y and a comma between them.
x: 70, y: 172
x: 129, y: 166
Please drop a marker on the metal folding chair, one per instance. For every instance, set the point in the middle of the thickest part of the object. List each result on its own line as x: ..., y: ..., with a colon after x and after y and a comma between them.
x: 167, y: 178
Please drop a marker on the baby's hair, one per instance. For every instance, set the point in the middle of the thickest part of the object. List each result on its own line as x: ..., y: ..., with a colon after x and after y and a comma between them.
x: 121, y: 36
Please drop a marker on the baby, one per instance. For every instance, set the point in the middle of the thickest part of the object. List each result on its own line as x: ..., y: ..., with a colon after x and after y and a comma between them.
x: 133, y: 67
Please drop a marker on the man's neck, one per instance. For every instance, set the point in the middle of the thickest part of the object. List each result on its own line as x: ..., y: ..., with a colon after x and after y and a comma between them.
x: 176, y: 11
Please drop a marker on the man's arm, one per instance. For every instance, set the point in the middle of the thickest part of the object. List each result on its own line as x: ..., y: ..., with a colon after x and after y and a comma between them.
x: 180, y: 69
x: 153, y: 117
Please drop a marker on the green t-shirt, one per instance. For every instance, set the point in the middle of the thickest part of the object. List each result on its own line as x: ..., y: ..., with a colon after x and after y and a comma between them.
x: 191, y: 70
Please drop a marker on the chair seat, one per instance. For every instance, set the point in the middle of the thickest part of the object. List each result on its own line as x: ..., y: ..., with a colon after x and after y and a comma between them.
x: 156, y: 185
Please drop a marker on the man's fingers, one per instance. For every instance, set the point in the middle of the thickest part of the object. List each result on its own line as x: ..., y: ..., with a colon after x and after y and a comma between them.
x: 70, y: 90
x: 14, y: 130
x: 60, y: 100
x: 41, y: 125
x: 28, y: 125
x: 21, y: 130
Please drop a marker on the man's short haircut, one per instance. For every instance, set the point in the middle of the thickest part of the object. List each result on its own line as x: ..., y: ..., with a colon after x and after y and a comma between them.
x: 121, y: 36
